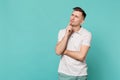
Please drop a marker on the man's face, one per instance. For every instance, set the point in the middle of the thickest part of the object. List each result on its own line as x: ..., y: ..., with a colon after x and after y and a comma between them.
x: 76, y: 18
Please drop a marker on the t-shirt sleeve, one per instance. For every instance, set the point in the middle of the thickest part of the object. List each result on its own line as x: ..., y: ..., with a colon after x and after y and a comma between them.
x: 60, y: 35
x: 87, y: 39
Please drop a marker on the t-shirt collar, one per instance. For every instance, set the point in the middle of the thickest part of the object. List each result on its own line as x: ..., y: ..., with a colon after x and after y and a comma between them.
x: 80, y: 30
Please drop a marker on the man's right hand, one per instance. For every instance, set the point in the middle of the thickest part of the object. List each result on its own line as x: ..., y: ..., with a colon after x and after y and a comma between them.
x: 69, y: 30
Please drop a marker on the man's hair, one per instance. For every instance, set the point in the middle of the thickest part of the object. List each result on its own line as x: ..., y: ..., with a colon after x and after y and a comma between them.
x: 80, y: 10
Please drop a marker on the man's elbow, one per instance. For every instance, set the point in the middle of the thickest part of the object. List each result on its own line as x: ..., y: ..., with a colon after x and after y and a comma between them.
x: 81, y: 59
x: 58, y: 52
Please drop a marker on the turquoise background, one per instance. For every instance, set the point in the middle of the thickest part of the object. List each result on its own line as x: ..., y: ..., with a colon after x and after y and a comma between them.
x: 28, y: 35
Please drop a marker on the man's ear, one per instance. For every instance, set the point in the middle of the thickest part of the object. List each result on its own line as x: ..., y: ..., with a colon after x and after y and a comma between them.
x: 82, y: 22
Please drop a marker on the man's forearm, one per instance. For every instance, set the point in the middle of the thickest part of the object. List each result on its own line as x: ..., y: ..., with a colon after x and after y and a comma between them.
x: 61, y: 46
x: 75, y: 55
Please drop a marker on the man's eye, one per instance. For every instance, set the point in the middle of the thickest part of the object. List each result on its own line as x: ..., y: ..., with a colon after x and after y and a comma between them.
x: 76, y: 16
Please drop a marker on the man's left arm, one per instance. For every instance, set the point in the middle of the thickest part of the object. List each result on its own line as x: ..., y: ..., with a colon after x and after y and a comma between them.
x: 78, y: 55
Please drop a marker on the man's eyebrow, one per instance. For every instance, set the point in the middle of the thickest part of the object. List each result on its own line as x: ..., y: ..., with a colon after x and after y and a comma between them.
x: 74, y: 15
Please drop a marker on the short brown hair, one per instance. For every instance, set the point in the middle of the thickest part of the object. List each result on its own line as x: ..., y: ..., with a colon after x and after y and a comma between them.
x: 81, y: 10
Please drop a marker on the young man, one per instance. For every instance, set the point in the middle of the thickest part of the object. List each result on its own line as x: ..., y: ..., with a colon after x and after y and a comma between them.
x: 73, y: 45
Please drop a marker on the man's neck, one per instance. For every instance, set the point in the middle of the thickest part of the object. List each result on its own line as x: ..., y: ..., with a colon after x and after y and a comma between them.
x: 76, y: 28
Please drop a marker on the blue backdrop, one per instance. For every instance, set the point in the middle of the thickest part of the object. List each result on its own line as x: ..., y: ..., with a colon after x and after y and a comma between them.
x: 28, y: 35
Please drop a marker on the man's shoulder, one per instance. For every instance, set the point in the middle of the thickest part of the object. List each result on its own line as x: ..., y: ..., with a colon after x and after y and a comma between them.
x: 86, y: 32
x: 62, y: 30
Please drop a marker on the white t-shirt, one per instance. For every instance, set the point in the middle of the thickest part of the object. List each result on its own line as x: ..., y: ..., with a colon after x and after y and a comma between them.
x: 69, y: 65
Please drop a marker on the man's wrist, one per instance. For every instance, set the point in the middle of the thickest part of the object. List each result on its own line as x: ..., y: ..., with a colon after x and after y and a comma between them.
x: 66, y: 35
x: 65, y: 52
